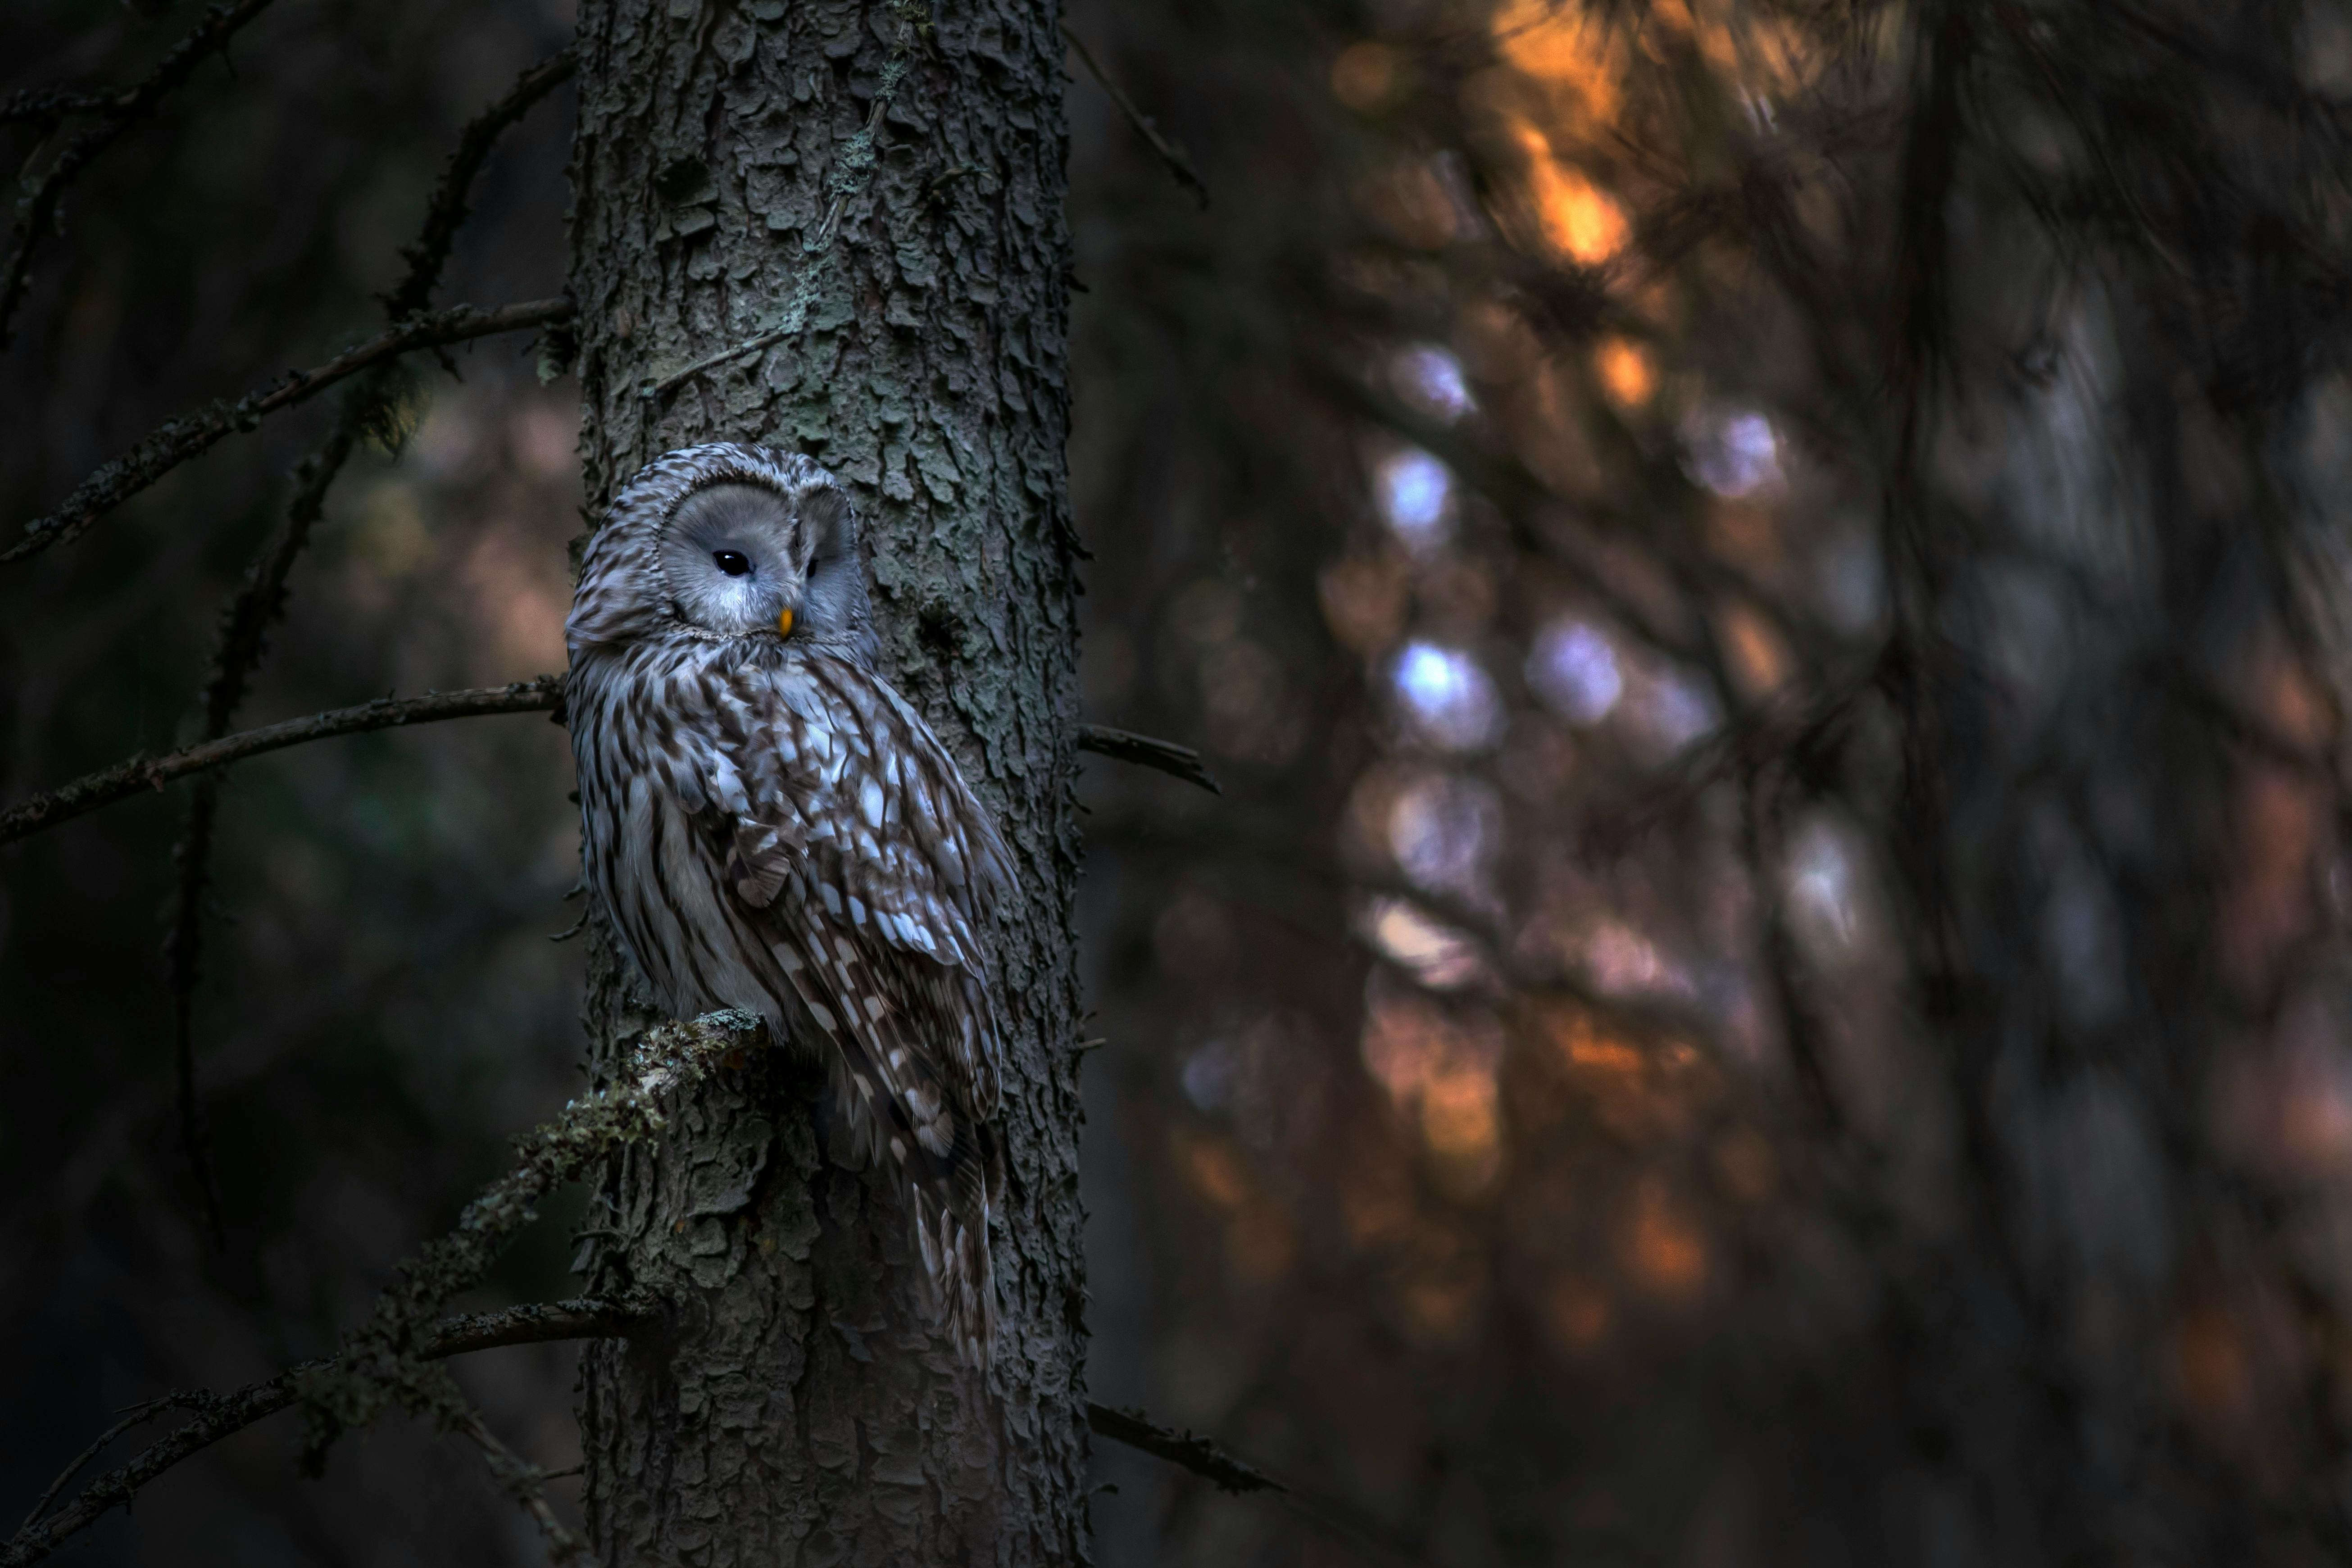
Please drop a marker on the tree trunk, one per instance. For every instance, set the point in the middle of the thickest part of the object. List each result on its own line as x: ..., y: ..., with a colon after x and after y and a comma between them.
x: 802, y: 1406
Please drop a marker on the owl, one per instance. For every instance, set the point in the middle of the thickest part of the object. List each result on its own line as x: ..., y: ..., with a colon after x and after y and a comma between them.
x: 770, y: 826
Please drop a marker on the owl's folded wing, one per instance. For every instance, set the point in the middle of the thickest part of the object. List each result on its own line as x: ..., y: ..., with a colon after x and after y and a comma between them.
x: 828, y: 784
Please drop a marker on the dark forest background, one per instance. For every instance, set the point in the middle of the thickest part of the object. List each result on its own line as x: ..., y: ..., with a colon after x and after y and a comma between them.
x: 1766, y: 585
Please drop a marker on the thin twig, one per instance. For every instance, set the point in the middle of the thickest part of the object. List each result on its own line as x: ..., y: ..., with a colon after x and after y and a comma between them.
x: 184, y: 437
x: 1787, y: 726
x: 381, y: 1367
x: 221, y: 1415
x: 382, y: 1363
x: 521, y: 1481
x: 1190, y: 1451
x: 445, y: 214
x: 138, y: 1415
x: 126, y: 779
x: 853, y: 167
x: 45, y: 105
x: 1170, y: 153
x: 244, y: 627
x: 1147, y: 751
x: 37, y: 215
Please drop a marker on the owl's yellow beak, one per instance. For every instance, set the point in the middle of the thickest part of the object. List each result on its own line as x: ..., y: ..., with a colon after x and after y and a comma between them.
x: 784, y: 621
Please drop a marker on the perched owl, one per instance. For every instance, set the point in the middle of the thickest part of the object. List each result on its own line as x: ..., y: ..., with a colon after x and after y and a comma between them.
x: 770, y: 826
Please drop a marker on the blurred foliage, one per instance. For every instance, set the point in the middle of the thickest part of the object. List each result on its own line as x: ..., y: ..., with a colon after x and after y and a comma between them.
x: 1766, y: 585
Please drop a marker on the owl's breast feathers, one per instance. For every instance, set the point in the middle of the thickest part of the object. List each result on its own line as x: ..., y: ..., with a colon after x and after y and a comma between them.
x: 766, y: 821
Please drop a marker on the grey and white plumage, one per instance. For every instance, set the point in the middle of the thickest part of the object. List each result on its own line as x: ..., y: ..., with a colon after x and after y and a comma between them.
x: 770, y: 826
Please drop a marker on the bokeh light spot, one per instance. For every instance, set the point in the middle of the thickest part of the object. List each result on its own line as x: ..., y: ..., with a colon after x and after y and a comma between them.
x: 1734, y: 454
x: 1416, y: 498
x: 1574, y: 671
x: 1578, y: 219
x: 1669, y: 1255
x: 1673, y: 711
x: 1430, y: 378
x: 1561, y: 45
x: 1625, y: 372
x: 1366, y: 76
x: 1443, y: 831
x: 1446, y: 698
x: 1436, y: 955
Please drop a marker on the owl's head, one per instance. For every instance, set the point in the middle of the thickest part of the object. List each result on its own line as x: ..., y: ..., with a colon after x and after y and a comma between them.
x: 727, y: 541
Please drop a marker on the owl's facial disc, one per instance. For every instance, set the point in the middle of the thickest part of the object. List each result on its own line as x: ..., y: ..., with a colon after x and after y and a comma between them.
x: 735, y: 561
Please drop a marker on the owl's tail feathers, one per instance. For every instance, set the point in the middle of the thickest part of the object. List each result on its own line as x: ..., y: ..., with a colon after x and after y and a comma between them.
x: 953, y: 1241
x: 953, y: 1173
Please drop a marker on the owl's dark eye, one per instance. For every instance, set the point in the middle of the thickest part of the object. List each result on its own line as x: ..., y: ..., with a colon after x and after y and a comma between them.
x: 731, y: 562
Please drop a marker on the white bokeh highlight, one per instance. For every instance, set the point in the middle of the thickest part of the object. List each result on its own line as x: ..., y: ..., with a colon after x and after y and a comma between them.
x: 1415, y: 495
x: 1574, y: 671
x: 1430, y: 378
x: 1444, y: 831
x: 1734, y: 453
x: 1445, y: 699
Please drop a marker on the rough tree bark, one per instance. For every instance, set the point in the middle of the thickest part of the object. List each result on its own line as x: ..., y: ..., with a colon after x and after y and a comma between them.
x: 800, y: 1406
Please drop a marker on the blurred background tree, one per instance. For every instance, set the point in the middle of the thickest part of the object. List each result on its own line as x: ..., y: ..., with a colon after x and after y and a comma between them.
x: 1766, y: 584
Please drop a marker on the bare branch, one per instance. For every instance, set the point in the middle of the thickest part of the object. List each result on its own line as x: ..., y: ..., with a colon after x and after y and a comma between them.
x: 1791, y: 726
x: 138, y: 1415
x: 1147, y: 751
x: 45, y: 106
x: 245, y: 626
x: 129, y: 778
x: 1187, y: 1450
x: 520, y: 1479
x: 220, y: 1415
x: 185, y: 437
x: 117, y: 114
x: 532, y: 1323
x: 1170, y: 153
x: 447, y: 212
x: 382, y: 1363
x: 1190, y: 1451
x: 380, y: 1366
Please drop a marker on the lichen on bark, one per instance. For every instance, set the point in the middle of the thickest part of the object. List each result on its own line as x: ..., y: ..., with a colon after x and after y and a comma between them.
x: 799, y: 1405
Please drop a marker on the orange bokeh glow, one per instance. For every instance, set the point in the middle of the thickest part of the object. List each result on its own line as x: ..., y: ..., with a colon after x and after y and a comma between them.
x: 1214, y: 1171
x: 1579, y: 1318
x: 1560, y: 46
x: 1625, y: 372
x: 1668, y: 1254
x: 1758, y: 54
x: 1364, y: 76
x: 1578, y: 219
x: 1443, y: 1073
x: 1759, y: 661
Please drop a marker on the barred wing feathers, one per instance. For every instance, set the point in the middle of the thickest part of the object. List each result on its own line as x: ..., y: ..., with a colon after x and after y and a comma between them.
x: 854, y: 845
